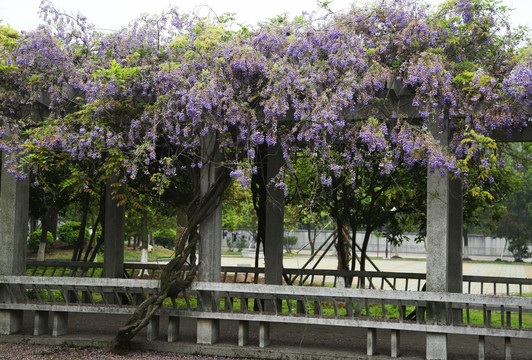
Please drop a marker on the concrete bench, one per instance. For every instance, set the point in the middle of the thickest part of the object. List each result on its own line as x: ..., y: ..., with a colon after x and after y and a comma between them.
x: 267, y: 304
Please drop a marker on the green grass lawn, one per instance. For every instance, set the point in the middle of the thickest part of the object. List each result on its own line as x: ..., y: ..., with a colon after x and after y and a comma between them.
x: 158, y: 252
x: 62, y: 252
x: 375, y: 310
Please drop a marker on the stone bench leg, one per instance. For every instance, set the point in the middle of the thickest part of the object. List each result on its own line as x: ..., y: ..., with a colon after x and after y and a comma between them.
x: 243, y: 333
x: 153, y: 328
x: 208, y: 331
x: 60, y: 324
x: 436, y: 346
x: 10, y: 321
x: 395, y: 343
x: 40, y: 325
x: 507, y: 348
x: 264, y: 334
x: 173, y: 328
x: 372, y: 341
x: 481, y: 348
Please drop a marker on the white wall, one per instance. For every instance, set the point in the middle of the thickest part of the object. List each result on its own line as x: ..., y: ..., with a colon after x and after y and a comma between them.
x: 479, y: 245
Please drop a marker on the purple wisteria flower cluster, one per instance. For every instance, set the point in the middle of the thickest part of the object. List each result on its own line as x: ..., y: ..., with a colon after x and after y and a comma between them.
x: 143, y: 98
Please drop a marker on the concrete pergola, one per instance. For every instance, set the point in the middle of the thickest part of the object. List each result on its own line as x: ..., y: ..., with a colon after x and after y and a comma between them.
x: 443, y: 241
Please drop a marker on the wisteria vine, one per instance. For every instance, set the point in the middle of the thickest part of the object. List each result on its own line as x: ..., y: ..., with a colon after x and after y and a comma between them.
x: 145, y: 95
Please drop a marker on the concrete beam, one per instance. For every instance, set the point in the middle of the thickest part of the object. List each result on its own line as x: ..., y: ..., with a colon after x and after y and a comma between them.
x: 525, y: 135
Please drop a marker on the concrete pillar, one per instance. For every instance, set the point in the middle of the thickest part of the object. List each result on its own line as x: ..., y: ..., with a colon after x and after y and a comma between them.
x: 40, y: 325
x: 60, y: 324
x: 444, y: 234
x: 14, y: 202
x: 444, y: 246
x: 210, y: 245
x: 114, y: 233
x: 153, y: 328
x: 173, y: 328
x: 273, y: 240
x: 273, y: 248
x: 372, y: 342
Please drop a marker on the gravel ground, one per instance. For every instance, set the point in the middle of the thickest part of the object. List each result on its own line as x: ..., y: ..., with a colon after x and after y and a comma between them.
x: 30, y: 352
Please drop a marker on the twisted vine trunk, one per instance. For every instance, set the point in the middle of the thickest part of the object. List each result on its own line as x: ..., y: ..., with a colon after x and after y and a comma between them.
x: 259, y: 193
x: 173, y: 278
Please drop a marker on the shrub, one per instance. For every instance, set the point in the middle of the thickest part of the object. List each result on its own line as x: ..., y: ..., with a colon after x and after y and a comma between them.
x: 35, y: 239
x: 69, y: 232
x: 519, y: 248
x: 229, y: 242
x: 165, y: 237
x: 241, y: 243
x: 289, y: 241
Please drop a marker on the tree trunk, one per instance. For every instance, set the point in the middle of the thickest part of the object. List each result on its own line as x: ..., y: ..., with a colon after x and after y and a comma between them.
x: 90, y: 253
x: 53, y: 224
x: 143, y: 256
x: 259, y: 194
x: 46, y: 227
x: 363, y: 254
x: 182, y: 222
x: 78, y: 246
x: 341, y: 243
x: 41, y: 251
x: 144, y: 229
x: 311, y: 235
x: 466, y: 244
x: 33, y: 224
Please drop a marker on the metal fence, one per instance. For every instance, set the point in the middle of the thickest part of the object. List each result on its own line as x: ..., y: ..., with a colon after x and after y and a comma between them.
x: 297, y: 277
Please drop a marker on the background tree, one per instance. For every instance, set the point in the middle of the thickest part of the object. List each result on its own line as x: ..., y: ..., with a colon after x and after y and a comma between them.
x: 238, y: 212
x: 515, y: 223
